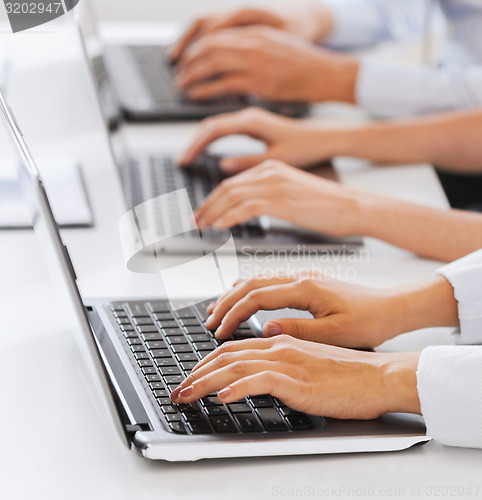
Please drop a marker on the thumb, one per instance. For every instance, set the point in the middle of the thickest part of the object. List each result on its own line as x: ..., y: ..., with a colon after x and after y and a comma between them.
x: 235, y: 165
x: 304, y: 329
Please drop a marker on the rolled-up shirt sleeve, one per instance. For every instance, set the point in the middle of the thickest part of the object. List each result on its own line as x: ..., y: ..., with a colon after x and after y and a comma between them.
x: 449, y: 383
x: 360, y: 23
x: 389, y: 89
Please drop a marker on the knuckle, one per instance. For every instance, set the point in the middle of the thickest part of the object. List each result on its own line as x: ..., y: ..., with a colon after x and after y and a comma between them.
x: 282, y: 340
x: 239, y: 367
x: 226, y: 347
x: 224, y: 358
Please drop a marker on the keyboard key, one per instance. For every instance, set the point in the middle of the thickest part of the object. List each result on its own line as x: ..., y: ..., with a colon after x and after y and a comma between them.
x: 211, y: 401
x: 203, y: 354
x: 164, y: 316
x: 300, y: 422
x: 169, y: 370
x: 162, y: 362
x: 248, y: 422
x: 190, y: 321
x: 194, y: 416
x: 204, y: 346
x: 134, y: 340
x: 155, y: 344
x: 168, y: 324
x: 147, y: 329
x: 124, y: 321
x: 239, y: 407
x: 168, y: 409
x: 149, y: 370
x: 177, y: 427
x: 144, y: 362
x: 161, y: 353
x: 137, y: 309
x: 141, y: 355
x: 173, y: 417
x: 177, y: 340
x: 194, y: 329
x: 200, y: 337
x: 199, y: 427
x: 188, y: 365
x: 127, y: 328
x: 186, y: 313
x: 214, y: 411
x: 172, y: 332
x: 261, y: 402
x: 154, y: 378
x: 160, y: 306
x: 153, y: 336
x: 165, y: 401
x: 138, y: 348
x: 157, y: 385
x: 161, y: 393
x: 174, y: 379
x: 181, y: 348
x: 187, y: 356
x: 272, y: 420
x: 142, y: 321
x: 223, y: 424
x: 191, y: 407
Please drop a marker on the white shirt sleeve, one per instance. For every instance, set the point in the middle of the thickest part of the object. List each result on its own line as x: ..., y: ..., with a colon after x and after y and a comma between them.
x: 387, y: 89
x: 465, y: 275
x: 358, y: 23
x: 449, y: 378
x: 449, y: 383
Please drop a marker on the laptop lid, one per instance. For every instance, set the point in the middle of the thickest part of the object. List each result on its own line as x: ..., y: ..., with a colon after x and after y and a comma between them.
x: 57, y: 256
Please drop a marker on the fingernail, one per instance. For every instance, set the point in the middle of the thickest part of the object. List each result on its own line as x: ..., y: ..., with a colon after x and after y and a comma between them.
x: 208, y: 321
x: 186, y: 392
x: 274, y: 329
x: 175, y: 394
x: 224, y: 393
x: 210, y: 307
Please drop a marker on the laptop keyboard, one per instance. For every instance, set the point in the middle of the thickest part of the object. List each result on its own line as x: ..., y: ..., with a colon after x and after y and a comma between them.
x: 157, y: 69
x: 199, y: 179
x: 165, y: 345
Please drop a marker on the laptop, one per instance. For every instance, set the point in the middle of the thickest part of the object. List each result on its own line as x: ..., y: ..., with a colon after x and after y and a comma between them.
x: 145, y: 175
x: 137, y: 351
x: 143, y: 79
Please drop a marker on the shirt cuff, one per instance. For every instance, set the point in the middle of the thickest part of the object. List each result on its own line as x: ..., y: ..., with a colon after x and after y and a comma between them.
x: 465, y: 275
x: 449, y: 383
x: 387, y: 89
x: 355, y: 23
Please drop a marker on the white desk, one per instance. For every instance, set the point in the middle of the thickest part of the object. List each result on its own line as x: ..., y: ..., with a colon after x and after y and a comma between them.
x: 56, y: 445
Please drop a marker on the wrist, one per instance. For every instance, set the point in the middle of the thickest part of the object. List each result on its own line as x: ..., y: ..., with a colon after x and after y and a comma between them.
x: 398, y: 372
x: 337, y: 77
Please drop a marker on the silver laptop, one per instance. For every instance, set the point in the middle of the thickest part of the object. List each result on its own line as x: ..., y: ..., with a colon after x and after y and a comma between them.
x: 148, y: 174
x: 137, y: 351
x: 143, y: 79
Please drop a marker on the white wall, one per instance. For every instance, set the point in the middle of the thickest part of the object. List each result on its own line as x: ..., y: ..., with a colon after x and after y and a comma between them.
x: 179, y: 10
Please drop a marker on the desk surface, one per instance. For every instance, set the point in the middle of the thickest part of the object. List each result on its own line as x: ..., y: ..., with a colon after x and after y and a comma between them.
x: 57, y: 444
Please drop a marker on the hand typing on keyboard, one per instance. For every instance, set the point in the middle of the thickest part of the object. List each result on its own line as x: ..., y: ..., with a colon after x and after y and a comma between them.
x: 276, y: 189
x: 309, y: 377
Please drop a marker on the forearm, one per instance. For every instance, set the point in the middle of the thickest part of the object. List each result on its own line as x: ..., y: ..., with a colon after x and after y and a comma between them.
x: 443, y: 235
x: 450, y: 140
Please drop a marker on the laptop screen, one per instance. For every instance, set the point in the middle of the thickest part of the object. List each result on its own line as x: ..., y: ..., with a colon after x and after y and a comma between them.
x: 58, y: 260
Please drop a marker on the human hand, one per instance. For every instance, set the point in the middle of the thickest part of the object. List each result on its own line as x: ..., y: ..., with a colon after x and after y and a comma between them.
x: 313, y: 378
x: 286, y: 139
x: 344, y: 314
x: 311, y: 22
x: 268, y: 63
x: 279, y: 190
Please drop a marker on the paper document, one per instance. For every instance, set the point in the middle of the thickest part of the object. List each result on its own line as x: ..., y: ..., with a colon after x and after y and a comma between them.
x: 66, y: 190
